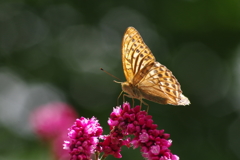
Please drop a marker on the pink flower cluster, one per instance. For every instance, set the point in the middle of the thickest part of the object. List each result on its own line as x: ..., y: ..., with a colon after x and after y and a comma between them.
x: 86, y: 139
x: 131, y: 121
x: 50, y: 119
x: 112, y: 144
x: 50, y: 122
x: 83, y: 138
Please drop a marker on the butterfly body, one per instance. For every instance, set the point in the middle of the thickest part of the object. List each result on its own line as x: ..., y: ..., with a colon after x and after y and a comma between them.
x: 131, y: 90
x: 146, y: 78
x: 137, y: 93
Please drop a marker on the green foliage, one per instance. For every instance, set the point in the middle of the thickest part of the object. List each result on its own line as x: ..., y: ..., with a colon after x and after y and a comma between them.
x: 53, y: 51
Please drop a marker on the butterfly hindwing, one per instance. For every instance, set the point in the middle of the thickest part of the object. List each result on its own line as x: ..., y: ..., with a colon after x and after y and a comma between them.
x: 162, y: 83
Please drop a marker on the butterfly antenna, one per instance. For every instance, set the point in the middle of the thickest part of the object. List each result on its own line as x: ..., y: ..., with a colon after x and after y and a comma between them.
x: 109, y: 74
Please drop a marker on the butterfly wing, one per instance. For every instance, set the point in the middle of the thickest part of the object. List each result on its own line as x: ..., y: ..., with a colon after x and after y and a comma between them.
x: 135, y: 55
x: 160, y: 85
x: 147, y: 78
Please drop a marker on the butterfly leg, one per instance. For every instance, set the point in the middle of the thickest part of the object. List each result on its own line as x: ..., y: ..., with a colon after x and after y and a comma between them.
x: 119, y: 97
x: 126, y: 95
x: 145, y: 104
x: 141, y: 101
x: 132, y: 101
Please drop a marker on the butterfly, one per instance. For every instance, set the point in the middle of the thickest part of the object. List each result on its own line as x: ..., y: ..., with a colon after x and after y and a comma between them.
x: 147, y: 78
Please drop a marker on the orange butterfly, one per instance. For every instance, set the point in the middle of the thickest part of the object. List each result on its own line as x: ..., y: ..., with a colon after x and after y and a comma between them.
x: 146, y: 78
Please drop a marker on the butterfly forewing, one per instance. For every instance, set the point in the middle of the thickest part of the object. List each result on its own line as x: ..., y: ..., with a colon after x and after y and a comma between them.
x: 146, y: 78
x: 135, y: 53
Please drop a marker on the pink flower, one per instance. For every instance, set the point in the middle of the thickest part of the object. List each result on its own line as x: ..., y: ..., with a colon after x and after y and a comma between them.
x: 154, y: 143
x: 83, y: 138
x: 57, y: 149
x: 50, y: 120
x: 110, y: 146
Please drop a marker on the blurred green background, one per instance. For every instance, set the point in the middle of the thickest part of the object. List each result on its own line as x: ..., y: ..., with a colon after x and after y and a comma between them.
x: 53, y: 51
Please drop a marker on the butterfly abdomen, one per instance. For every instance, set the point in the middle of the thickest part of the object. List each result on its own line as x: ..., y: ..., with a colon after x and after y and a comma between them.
x: 155, y: 98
